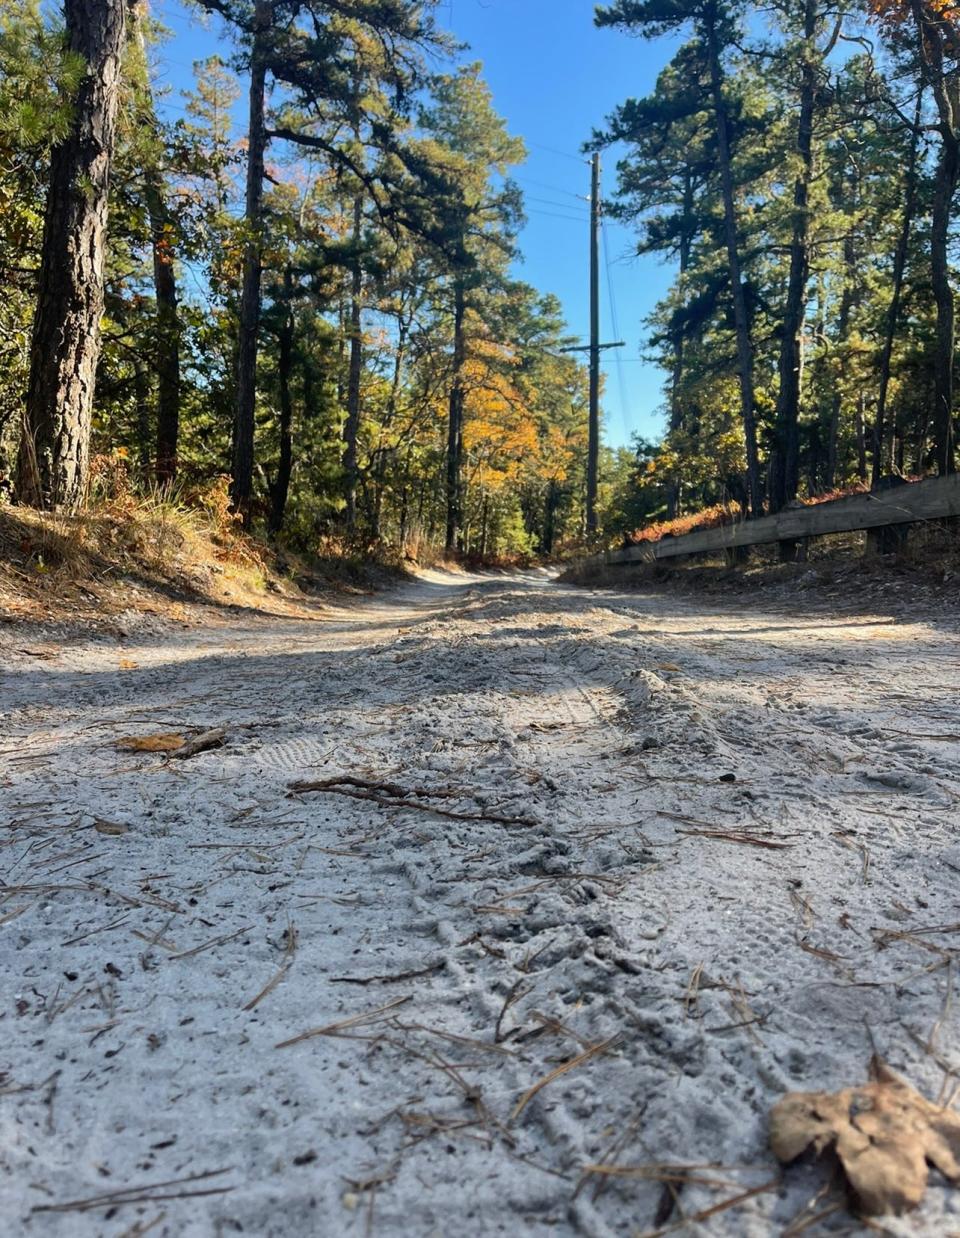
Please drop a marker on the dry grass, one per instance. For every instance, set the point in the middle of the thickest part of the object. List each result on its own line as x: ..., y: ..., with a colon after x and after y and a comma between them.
x: 152, y: 554
x: 156, y: 554
x: 166, y: 554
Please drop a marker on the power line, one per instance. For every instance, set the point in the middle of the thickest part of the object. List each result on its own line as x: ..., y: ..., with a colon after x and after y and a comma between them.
x: 571, y: 219
x: 568, y: 193
x: 563, y: 206
x: 553, y: 151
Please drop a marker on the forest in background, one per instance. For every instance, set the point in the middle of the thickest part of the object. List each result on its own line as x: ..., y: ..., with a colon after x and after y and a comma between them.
x: 798, y: 163
x: 324, y: 315
x: 322, y: 312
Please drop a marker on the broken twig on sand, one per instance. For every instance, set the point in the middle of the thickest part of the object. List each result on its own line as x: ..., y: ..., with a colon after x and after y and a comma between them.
x: 389, y: 795
x: 734, y: 836
x: 202, y: 743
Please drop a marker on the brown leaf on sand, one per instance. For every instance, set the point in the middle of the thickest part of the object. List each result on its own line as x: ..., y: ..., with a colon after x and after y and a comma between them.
x: 884, y: 1134
x: 111, y: 828
x: 151, y: 743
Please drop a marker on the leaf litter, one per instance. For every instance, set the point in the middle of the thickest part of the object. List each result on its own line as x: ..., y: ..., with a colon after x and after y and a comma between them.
x: 885, y: 1135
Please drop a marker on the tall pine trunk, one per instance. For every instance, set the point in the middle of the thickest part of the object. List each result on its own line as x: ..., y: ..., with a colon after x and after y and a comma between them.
x: 896, y: 294
x: 384, y: 454
x: 860, y: 427
x: 550, y: 518
x: 847, y: 303
x: 168, y: 331
x: 455, y: 424
x: 935, y: 48
x: 246, y: 397
x: 162, y: 234
x: 141, y: 390
x: 785, y: 460
x: 280, y: 489
x: 945, y: 186
x: 677, y: 411
x: 737, y: 290
x: 65, y: 347
x: 351, y: 428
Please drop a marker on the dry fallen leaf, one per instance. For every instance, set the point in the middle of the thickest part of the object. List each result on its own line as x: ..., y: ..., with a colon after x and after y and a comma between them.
x: 151, y: 743
x: 884, y: 1134
x: 113, y: 828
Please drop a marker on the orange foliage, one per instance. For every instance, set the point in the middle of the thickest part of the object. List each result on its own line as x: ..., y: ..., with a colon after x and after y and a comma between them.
x: 695, y: 522
x: 940, y: 19
x: 727, y: 513
x: 902, y: 10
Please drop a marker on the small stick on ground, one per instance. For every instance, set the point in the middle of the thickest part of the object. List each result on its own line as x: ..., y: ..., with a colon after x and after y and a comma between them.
x: 285, y: 966
x: 389, y: 795
x: 514, y: 994
x: 209, y: 945
x: 593, y: 1051
x: 139, y: 1194
x: 692, y: 997
x: 202, y: 743
x: 333, y: 1029
x: 707, y: 1213
x: 735, y: 836
x: 405, y: 975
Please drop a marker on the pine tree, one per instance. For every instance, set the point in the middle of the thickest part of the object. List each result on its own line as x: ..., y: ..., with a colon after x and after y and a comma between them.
x: 715, y: 26
x: 65, y: 346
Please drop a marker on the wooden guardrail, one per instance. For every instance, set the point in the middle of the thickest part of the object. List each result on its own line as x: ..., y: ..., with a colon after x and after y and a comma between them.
x: 932, y: 499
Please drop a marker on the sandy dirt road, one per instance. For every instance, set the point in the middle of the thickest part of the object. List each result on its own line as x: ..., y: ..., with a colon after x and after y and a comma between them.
x: 698, y: 856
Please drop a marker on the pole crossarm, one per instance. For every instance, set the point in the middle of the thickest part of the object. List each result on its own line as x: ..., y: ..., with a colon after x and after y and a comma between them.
x: 593, y: 347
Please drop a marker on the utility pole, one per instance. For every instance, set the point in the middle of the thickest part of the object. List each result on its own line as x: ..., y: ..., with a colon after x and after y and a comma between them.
x: 593, y: 449
x: 594, y: 348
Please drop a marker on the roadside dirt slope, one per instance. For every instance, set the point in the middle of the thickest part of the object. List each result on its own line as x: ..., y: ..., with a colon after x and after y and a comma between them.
x: 697, y: 857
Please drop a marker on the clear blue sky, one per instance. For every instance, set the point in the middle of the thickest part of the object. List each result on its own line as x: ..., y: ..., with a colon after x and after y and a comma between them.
x: 555, y: 78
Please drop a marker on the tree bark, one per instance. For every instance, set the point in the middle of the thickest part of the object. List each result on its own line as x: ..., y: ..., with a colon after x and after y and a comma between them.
x: 847, y: 301
x: 549, y: 518
x: 162, y: 234
x: 737, y: 291
x: 861, y: 432
x: 351, y: 428
x: 945, y: 85
x: 65, y: 347
x: 383, y: 455
x: 677, y: 411
x: 404, y: 513
x: 280, y: 489
x: 896, y: 295
x: 246, y: 397
x: 168, y: 331
x: 455, y: 424
x: 945, y: 186
x: 785, y: 459
x: 141, y: 388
